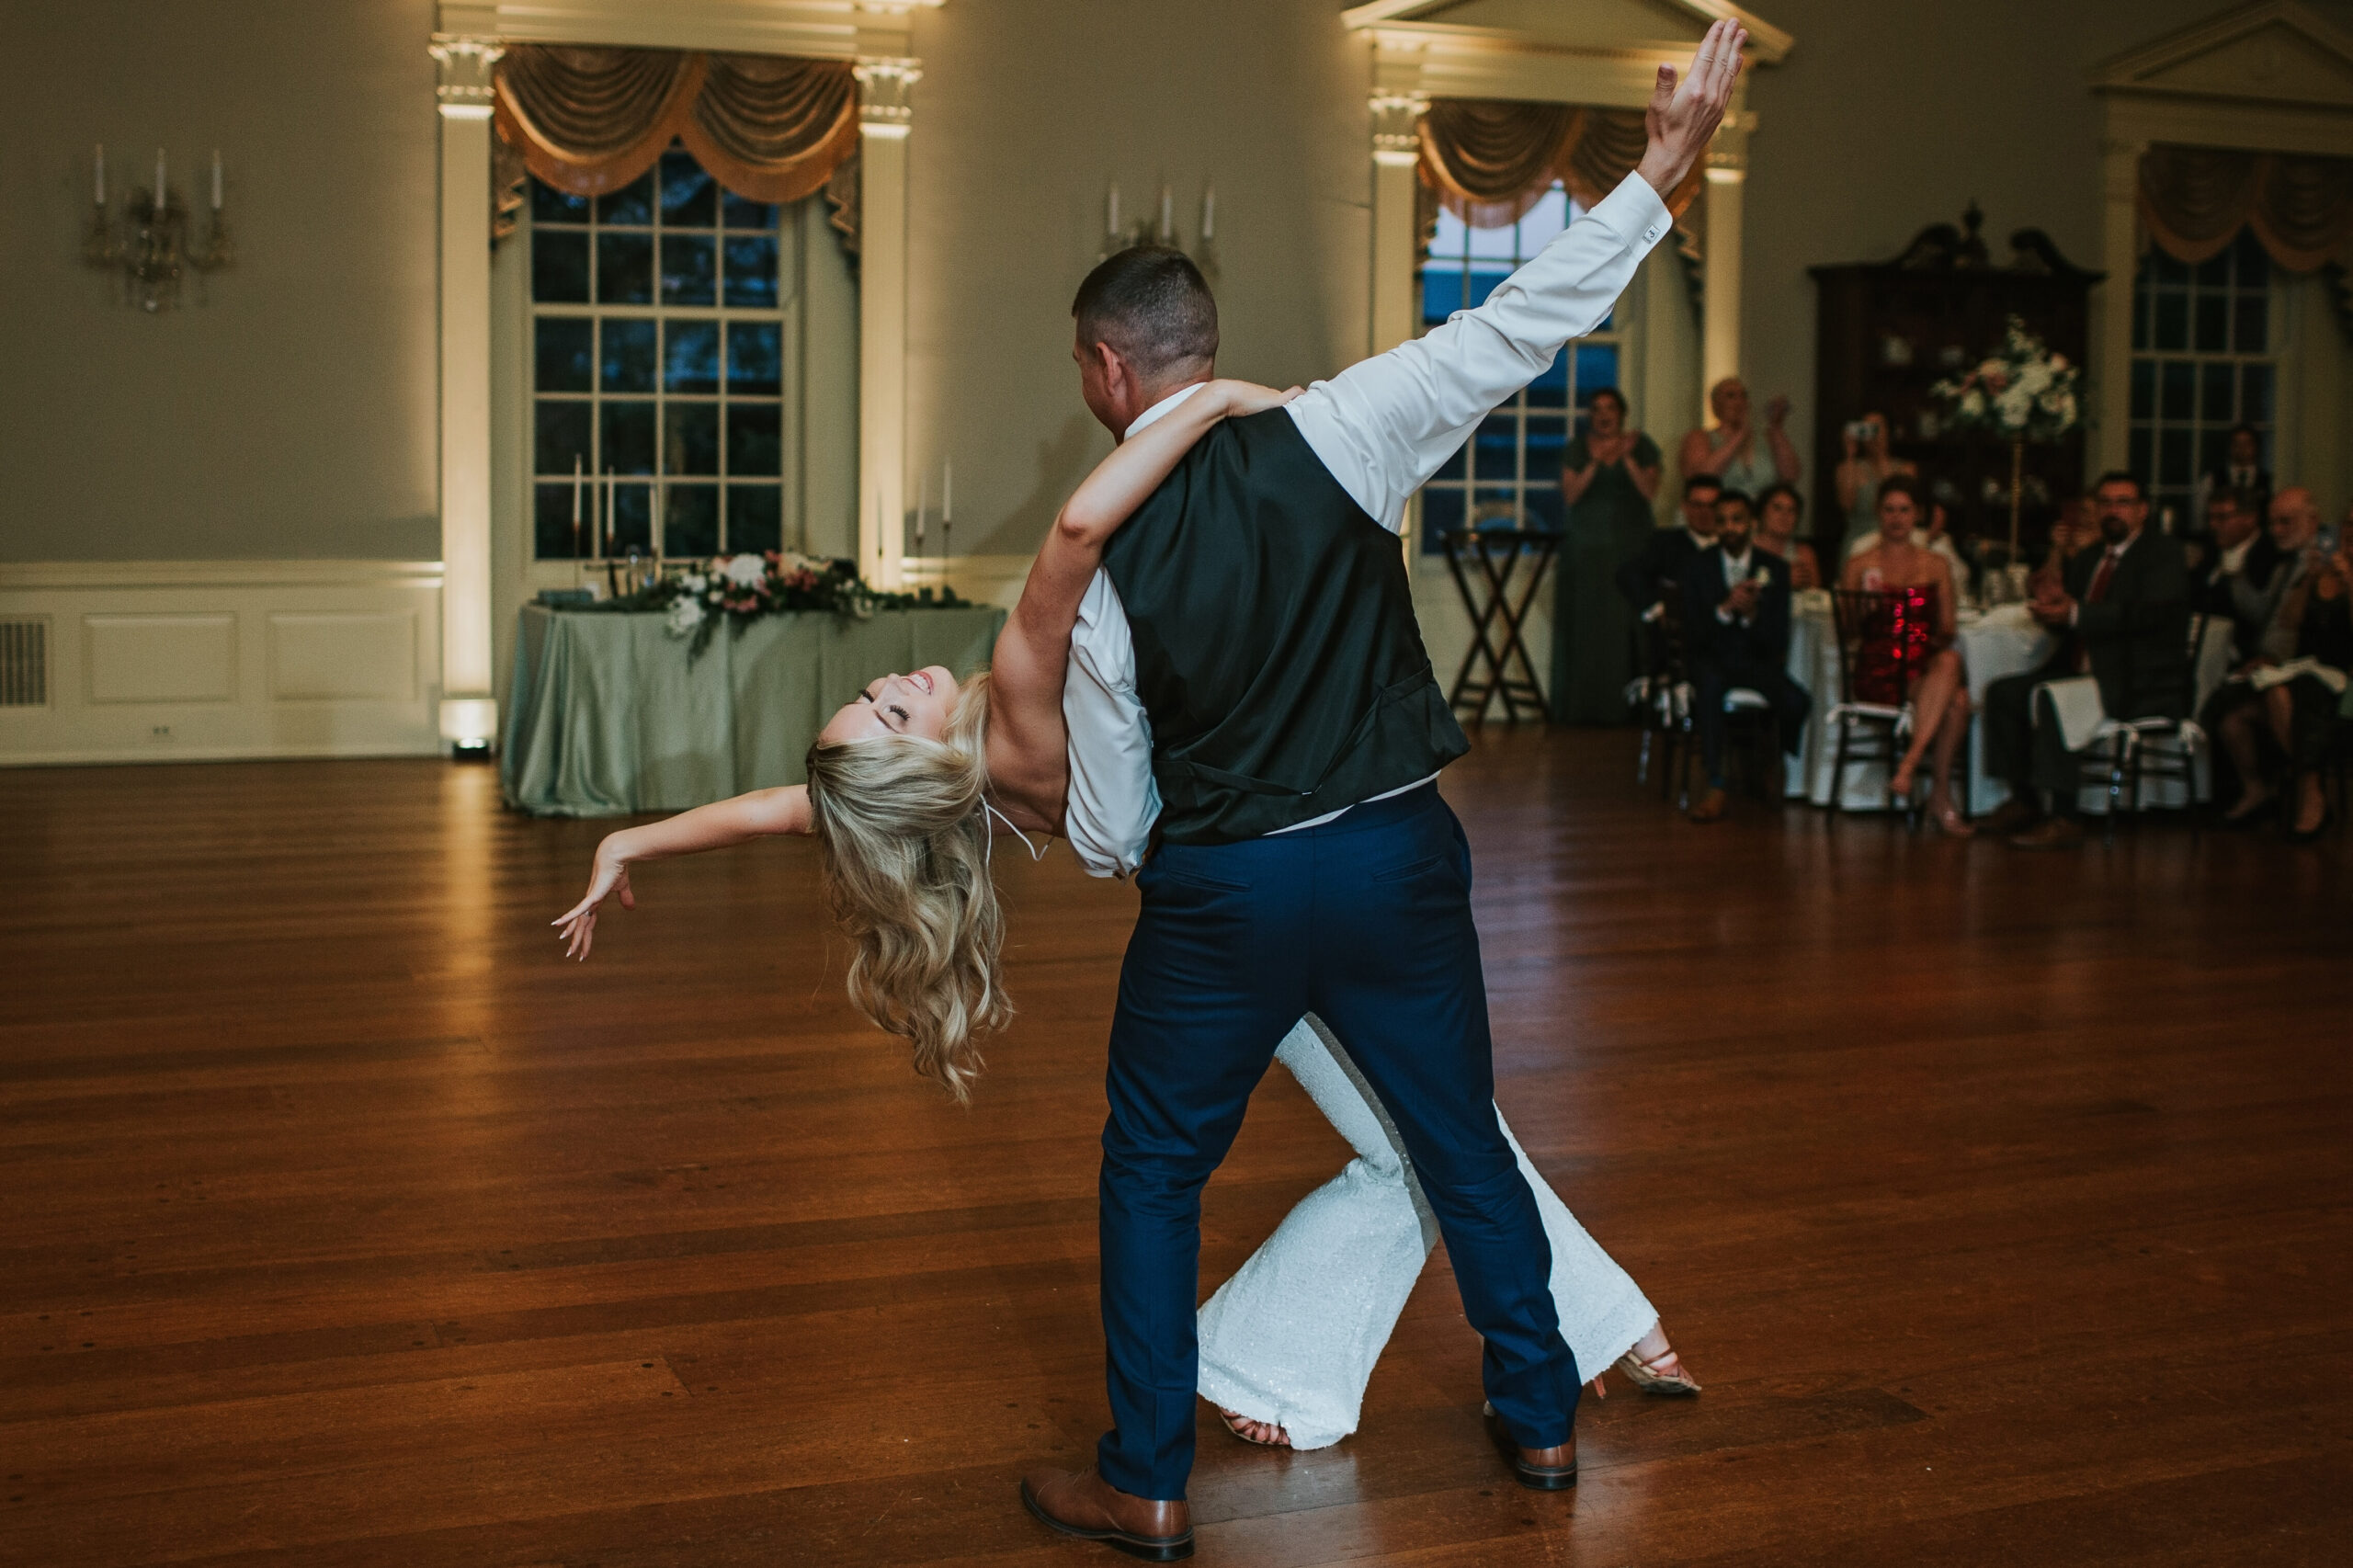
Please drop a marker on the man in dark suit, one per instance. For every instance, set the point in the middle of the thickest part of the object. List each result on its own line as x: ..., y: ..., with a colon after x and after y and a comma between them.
x: 1736, y: 636
x: 1650, y: 576
x: 2233, y: 580
x: 2241, y: 468
x: 2123, y: 614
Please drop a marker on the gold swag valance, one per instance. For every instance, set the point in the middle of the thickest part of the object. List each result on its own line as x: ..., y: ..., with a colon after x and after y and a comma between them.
x: 588, y: 121
x: 2194, y: 201
x: 1488, y: 161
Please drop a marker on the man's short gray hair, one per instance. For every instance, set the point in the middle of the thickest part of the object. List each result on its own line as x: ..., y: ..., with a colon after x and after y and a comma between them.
x: 1151, y: 305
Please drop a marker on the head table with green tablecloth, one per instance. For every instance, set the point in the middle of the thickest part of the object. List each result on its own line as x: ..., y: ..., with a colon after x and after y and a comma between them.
x: 609, y: 715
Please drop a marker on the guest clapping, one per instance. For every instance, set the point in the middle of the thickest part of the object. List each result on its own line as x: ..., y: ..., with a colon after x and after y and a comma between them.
x: 1608, y: 477
x: 1929, y: 676
x: 2234, y: 581
x: 2304, y: 623
x: 1741, y: 457
x: 1779, y: 510
x: 1654, y: 571
x: 1737, y: 633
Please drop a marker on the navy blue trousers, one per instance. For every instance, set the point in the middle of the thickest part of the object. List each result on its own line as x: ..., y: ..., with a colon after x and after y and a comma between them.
x: 1365, y: 922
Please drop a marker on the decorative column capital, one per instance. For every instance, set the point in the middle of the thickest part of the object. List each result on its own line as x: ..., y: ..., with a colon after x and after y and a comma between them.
x: 1727, y: 162
x: 884, y: 89
x: 464, y: 66
x: 1396, y: 126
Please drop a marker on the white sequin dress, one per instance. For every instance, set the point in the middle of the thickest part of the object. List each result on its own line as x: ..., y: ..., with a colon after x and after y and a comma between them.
x: 1292, y: 1337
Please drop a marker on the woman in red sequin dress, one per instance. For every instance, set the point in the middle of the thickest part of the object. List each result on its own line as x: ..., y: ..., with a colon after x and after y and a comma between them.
x: 1919, y: 623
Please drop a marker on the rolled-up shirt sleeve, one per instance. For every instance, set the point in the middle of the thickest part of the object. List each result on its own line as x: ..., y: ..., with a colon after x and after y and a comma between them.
x: 1113, y: 801
x: 1382, y: 426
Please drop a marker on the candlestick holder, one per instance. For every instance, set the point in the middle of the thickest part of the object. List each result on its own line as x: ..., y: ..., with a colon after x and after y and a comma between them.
x: 150, y: 245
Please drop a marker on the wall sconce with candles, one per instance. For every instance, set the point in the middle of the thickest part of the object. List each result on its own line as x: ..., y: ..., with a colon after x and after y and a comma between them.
x: 149, y: 243
x: 1162, y: 230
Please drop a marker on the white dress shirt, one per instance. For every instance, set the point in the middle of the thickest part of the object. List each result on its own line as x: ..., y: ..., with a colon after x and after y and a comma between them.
x: 1380, y: 427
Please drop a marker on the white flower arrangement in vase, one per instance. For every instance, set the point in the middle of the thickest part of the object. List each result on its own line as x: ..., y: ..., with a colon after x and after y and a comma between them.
x: 2022, y: 393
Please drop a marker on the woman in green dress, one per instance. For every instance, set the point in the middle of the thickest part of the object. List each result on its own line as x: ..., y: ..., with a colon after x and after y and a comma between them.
x: 1609, y: 476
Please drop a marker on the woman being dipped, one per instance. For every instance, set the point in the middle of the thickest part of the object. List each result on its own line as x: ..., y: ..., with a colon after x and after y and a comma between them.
x: 906, y: 781
x: 1929, y: 675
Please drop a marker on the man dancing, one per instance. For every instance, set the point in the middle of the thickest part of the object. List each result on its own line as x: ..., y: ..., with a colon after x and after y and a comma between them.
x: 1256, y: 733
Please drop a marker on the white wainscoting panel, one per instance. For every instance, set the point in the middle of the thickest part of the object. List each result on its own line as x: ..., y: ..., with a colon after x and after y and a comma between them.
x: 159, y: 658
x: 208, y: 660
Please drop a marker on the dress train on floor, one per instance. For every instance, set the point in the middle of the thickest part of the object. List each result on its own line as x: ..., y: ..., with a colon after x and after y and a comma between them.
x: 1292, y: 1338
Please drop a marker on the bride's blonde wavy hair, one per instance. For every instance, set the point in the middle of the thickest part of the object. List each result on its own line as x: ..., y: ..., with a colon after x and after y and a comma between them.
x: 905, y: 842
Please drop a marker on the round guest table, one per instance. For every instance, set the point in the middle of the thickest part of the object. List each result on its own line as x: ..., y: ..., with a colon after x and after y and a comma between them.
x: 609, y: 717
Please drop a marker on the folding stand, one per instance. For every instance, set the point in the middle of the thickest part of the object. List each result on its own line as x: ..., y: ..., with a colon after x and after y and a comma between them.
x: 1498, y: 552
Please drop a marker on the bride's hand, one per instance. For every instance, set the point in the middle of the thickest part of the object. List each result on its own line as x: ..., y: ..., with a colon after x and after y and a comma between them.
x: 577, y: 925
x: 1248, y: 397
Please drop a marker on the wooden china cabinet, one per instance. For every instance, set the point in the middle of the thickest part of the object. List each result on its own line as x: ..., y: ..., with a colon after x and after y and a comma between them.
x: 1886, y: 332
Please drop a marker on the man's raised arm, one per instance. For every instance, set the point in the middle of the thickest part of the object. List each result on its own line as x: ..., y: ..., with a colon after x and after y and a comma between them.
x: 1383, y: 427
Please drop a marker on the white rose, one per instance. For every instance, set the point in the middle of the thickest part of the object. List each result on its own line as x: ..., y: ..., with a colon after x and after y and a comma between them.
x: 685, y: 615
x: 1973, y: 405
x: 694, y: 582
x: 745, y: 571
x: 2014, y: 406
x: 2035, y: 379
x: 2064, y: 409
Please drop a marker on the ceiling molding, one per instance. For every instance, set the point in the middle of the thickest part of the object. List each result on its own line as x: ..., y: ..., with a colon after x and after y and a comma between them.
x: 1766, y: 43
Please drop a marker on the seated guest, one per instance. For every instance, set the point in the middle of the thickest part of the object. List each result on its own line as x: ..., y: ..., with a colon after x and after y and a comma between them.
x: 2074, y: 530
x: 2299, y: 702
x: 1931, y: 677
x: 2237, y: 575
x: 2123, y: 615
x: 1737, y: 633
x: 1777, y: 511
x: 2229, y: 713
x: 1650, y: 575
x: 2242, y: 468
x: 1734, y: 452
x: 1935, y: 533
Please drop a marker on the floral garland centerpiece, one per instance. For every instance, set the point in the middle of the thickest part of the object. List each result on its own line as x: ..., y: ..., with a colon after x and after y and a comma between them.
x: 2022, y: 391
x: 739, y: 589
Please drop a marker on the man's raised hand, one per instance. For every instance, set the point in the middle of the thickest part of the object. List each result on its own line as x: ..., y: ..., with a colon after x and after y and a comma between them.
x: 1684, y: 114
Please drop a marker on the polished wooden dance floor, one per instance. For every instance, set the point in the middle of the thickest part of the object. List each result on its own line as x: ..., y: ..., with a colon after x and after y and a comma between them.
x: 2001, y: 1202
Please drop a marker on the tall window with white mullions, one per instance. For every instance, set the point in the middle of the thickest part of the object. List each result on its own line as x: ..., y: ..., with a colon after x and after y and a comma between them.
x: 666, y: 352
x: 1508, y: 473
x: 2205, y: 359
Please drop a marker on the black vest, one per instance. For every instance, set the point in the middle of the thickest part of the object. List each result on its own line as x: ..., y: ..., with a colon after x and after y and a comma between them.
x: 1276, y: 652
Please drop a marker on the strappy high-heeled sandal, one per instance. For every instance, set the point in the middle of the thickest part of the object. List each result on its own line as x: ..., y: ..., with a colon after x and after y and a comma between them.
x: 1236, y: 1423
x: 1662, y: 1374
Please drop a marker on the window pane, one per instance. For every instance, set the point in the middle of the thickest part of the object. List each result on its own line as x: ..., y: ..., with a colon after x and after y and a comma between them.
x: 2144, y: 389
x: 562, y: 436
x: 2214, y: 323
x: 553, y: 535
x: 1482, y: 284
x: 2139, y: 318
x: 1596, y: 368
x: 549, y: 205
x: 559, y: 267
x: 2167, y: 270
x: 1452, y: 467
x: 629, y: 355
x: 633, y: 203
x: 567, y: 353
x: 754, y: 517
x: 632, y: 520
x: 2141, y: 445
x: 740, y: 213
x: 690, y: 199
x: 2173, y: 322
x: 628, y: 437
x: 2254, y: 263
x: 751, y: 270
x: 690, y: 269
x: 1441, y: 295
x: 2213, y: 444
x: 690, y: 438
x: 1495, y: 506
x: 691, y: 519
x: 1546, y: 508
x: 2180, y: 386
x: 692, y: 363
x: 755, y: 443
x: 2214, y: 272
x: 2253, y: 331
x: 2255, y: 394
x: 755, y: 358
x: 1441, y: 513
x: 2173, y: 457
x: 1495, y: 448
x: 1547, y: 434
x: 625, y: 269
x: 2214, y: 390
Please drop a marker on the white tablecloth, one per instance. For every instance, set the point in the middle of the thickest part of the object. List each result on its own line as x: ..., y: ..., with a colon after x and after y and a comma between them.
x: 2001, y: 641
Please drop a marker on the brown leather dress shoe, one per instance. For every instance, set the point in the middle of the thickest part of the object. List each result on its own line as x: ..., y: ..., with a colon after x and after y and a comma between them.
x: 1083, y: 1504
x: 2052, y: 832
x: 1708, y: 807
x: 2012, y: 815
x: 1541, y: 1469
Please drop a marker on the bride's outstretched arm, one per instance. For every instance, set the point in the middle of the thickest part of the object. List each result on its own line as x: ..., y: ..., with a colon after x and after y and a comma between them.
x: 715, y: 826
x: 1029, y: 770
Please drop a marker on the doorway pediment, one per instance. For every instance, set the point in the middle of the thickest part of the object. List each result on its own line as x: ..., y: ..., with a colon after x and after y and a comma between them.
x: 2278, y: 53
x: 1590, y: 25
